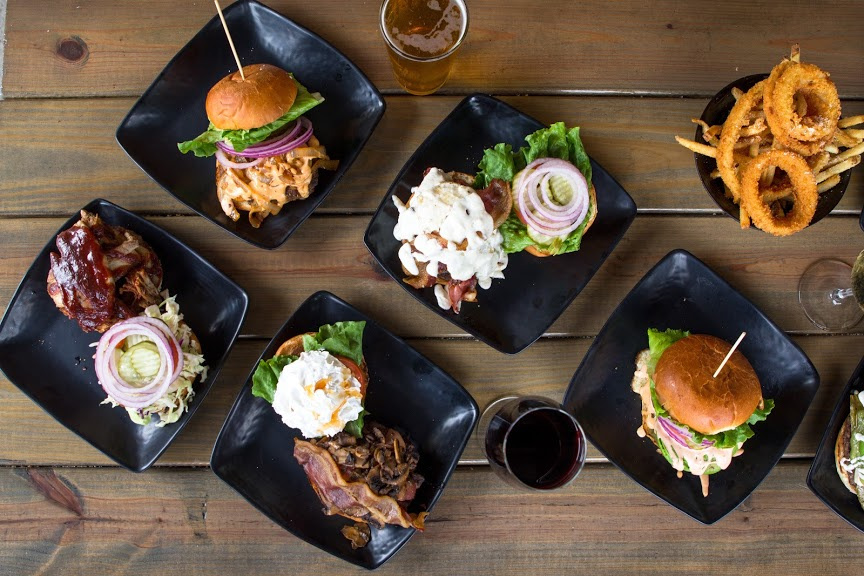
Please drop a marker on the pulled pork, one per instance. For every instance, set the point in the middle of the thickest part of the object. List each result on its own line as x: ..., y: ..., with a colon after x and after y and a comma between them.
x: 264, y: 189
x: 102, y: 274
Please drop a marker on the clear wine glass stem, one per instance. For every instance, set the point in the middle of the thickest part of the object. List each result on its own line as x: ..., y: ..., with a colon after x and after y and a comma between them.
x: 839, y: 294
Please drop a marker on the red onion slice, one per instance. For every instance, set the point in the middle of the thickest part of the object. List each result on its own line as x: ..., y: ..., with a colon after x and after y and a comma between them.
x: 539, y: 210
x: 170, y: 353
x: 223, y: 159
x: 294, y: 138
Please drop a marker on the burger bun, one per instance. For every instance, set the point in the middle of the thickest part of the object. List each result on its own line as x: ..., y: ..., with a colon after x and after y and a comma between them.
x: 685, y: 384
x: 841, y: 450
x: 266, y: 94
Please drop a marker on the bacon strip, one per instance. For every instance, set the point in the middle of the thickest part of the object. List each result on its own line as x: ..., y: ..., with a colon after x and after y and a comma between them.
x: 354, y: 500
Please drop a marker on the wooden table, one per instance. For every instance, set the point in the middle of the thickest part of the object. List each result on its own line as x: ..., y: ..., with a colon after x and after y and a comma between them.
x: 631, y: 73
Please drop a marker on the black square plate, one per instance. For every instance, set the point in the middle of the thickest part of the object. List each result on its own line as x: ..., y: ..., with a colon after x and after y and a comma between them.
x: 35, y: 333
x: 682, y: 292
x: 515, y: 311
x: 254, y: 451
x: 172, y: 111
x: 822, y: 478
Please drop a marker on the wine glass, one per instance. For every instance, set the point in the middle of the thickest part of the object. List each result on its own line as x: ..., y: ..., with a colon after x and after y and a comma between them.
x: 826, y: 293
x: 532, y: 442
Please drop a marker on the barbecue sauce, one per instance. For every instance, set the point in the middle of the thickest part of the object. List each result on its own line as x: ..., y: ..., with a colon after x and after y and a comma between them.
x: 84, y: 280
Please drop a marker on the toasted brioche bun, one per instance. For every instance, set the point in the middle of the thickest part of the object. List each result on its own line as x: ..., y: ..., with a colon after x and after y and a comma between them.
x: 266, y: 94
x: 841, y: 450
x: 685, y: 386
x: 537, y: 251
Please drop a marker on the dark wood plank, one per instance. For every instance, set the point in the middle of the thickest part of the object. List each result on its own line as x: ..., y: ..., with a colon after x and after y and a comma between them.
x: 328, y: 253
x: 544, y: 369
x: 106, y: 521
x: 631, y: 137
x: 104, y: 48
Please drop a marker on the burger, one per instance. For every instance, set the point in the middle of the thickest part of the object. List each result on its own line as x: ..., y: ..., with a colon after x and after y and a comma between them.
x: 267, y: 154
x: 698, y: 422
x: 849, y: 448
x: 359, y: 468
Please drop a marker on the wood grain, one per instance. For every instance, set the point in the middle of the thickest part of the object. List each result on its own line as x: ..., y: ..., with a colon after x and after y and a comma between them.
x: 603, y: 524
x: 544, y: 369
x: 327, y: 253
x: 632, y: 138
x: 104, y: 48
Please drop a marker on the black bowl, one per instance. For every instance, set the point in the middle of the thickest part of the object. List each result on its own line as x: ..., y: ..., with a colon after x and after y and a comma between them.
x: 172, y: 111
x: 715, y: 113
x: 254, y: 451
x: 515, y: 311
x: 682, y: 292
x: 822, y: 478
x: 49, y: 358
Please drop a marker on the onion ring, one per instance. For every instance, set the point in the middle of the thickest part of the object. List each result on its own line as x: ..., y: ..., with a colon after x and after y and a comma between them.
x: 803, y: 190
x: 739, y: 117
x: 792, y: 85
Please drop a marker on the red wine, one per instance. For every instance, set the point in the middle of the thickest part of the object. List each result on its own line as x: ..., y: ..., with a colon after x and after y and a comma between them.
x: 538, y: 445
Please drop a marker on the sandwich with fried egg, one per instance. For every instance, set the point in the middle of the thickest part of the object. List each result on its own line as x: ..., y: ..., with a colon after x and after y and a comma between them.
x: 359, y: 468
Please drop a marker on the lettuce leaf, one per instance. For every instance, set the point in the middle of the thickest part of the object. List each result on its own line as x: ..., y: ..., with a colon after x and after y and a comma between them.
x: 659, y: 341
x: 355, y: 427
x: 498, y: 162
x: 341, y: 338
x: 266, y: 376
x: 502, y: 162
x: 205, y: 144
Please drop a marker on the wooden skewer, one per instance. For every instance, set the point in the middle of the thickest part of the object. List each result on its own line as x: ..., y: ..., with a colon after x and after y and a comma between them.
x: 230, y: 41
x: 726, y: 359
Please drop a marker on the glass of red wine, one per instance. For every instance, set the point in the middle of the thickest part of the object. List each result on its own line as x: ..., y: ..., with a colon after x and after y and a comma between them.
x: 532, y: 442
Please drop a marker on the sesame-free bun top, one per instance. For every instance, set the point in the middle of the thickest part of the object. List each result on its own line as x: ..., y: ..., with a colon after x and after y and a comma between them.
x: 267, y: 93
x: 685, y: 385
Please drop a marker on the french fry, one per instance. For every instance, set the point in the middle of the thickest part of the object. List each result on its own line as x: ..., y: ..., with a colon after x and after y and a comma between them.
x: 696, y: 147
x: 851, y: 121
x: 838, y: 168
x: 826, y: 185
x: 848, y: 153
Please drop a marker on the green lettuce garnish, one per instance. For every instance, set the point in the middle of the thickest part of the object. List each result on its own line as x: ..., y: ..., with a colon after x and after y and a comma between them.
x: 342, y: 339
x: 502, y: 162
x: 205, y: 144
x: 658, y: 342
x: 266, y: 376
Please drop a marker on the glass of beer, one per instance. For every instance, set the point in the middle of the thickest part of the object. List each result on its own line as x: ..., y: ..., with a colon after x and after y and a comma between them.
x: 422, y: 39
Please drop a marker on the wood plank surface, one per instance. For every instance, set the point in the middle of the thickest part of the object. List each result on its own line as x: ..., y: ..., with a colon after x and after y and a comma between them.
x: 544, y: 369
x: 327, y: 253
x: 632, y: 138
x: 80, y: 521
x: 105, y: 48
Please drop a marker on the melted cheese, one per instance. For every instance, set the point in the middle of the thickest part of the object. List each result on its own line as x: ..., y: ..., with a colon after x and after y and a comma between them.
x: 446, y: 223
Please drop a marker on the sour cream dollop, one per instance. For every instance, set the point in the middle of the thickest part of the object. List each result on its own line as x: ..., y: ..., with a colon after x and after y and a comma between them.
x: 317, y: 394
x: 442, y: 209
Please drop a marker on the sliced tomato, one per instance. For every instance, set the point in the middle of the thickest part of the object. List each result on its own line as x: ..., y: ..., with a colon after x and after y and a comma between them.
x: 356, y: 371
